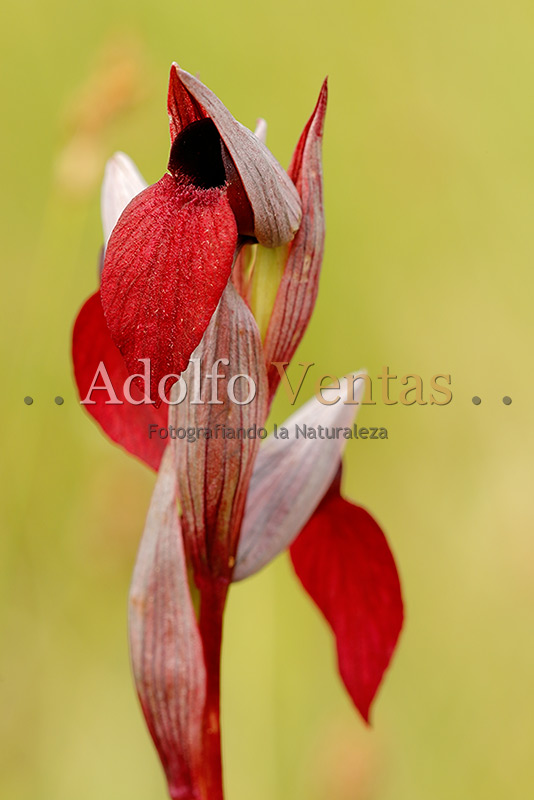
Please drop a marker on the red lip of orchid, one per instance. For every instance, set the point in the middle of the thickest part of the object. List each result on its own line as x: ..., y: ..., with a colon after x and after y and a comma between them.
x: 167, y: 263
x: 93, y: 347
x: 166, y: 296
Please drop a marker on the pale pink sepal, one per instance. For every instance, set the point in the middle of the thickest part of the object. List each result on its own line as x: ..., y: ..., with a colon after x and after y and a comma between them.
x: 214, y: 473
x: 122, y: 182
x: 260, y: 131
x: 291, y: 477
x: 165, y: 645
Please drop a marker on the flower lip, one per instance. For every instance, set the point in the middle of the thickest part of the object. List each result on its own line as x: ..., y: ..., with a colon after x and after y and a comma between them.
x: 196, y: 153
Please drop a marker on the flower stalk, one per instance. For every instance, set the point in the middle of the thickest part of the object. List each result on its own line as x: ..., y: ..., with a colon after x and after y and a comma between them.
x: 212, y: 602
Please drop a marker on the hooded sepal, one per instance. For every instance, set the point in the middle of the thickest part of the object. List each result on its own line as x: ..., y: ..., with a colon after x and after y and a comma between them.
x: 255, y: 178
x: 165, y: 643
x: 343, y: 561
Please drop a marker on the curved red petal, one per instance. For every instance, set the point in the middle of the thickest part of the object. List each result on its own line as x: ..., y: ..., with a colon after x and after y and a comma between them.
x: 298, y: 288
x: 344, y: 562
x: 126, y: 424
x: 167, y: 263
x: 306, y: 154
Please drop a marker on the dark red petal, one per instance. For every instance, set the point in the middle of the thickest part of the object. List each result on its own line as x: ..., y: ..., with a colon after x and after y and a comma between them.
x: 126, y: 424
x: 165, y: 643
x: 298, y: 288
x: 167, y: 263
x: 344, y: 562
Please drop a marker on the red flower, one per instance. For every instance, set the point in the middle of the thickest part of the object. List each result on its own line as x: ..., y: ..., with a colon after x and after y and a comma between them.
x: 171, y: 252
x: 166, y: 296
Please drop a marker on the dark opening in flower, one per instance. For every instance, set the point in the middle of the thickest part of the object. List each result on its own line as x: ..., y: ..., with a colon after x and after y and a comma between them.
x: 196, y: 153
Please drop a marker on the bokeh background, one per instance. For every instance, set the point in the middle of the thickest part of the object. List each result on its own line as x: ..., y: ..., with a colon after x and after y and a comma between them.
x: 429, y: 165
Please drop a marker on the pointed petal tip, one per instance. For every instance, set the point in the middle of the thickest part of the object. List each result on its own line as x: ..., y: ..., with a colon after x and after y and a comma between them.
x: 173, y: 74
x: 333, y: 391
x: 174, y: 71
x: 363, y: 704
x: 320, y: 108
x: 181, y: 106
x: 358, y: 387
x: 119, y: 159
x: 344, y: 562
x: 315, y: 123
x: 260, y: 131
x: 121, y: 183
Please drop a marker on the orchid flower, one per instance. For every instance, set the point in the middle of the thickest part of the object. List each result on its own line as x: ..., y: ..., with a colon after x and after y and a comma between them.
x: 218, y: 263
x: 182, y: 232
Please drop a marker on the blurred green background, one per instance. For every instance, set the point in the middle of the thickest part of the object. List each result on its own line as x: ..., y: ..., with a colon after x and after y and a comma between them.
x: 429, y: 169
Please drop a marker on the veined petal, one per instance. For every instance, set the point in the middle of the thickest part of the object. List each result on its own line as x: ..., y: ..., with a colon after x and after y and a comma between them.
x: 165, y: 644
x: 167, y: 263
x: 214, y: 471
x: 343, y: 560
x: 272, y: 195
x: 299, y: 284
x: 290, y: 478
x: 122, y: 182
x: 126, y: 424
